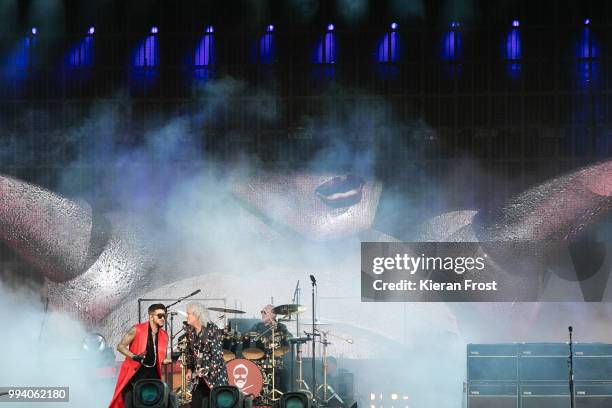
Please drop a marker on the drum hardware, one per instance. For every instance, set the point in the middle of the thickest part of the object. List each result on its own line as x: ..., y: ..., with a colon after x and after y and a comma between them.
x: 245, y: 375
x: 274, y: 392
x: 251, y: 346
x: 301, y: 384
x: 325, y: 386
x: 225, y: 310
x: 229, y: 344
x: 289, y: 309
x: 317, y: 323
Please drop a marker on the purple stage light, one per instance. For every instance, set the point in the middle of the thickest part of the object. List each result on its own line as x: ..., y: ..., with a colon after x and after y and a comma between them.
x: 34, y: 31
x: 587, y: 21
x: 154, y: 30
x: 515, y: 23
x: 209, y: 29
x: 91, y: 30
x: 330, y: 27
x: 394, y: 26
x: 270, y: 28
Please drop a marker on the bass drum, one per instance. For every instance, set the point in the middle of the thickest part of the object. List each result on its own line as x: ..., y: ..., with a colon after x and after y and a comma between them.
x: 245, y: 375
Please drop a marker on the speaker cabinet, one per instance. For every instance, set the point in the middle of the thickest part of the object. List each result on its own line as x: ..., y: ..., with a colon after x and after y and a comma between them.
x: 592, y: 395
x: 593, y: 362
x: 544, y: 396
x: 543, y: 362
x: 487, y: 395
x: 492, y: 362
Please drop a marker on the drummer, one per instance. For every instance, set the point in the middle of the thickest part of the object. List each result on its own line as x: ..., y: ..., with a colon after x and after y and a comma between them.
x: 264, y: 328
x: 268, y: 319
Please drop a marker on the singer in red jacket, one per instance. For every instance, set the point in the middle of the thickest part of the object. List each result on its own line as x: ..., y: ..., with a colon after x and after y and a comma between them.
x: 144, y: 347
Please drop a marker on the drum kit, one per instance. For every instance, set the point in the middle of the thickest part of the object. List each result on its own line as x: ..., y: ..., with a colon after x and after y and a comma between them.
x: 252, y: 357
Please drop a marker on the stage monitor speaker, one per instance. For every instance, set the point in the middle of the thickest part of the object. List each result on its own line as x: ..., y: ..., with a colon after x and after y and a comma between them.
x: 492, y: 395
x: 544, y: 395
x: 492, y: 362
x: 593, y: 395
x: 543, y: 362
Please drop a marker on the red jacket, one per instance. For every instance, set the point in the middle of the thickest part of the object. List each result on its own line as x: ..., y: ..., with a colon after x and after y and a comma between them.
x: 129, y: 366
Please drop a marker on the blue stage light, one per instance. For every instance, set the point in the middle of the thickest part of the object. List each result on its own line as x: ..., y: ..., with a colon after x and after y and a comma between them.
x: 587, y: 21
x: 267, y: 48
x: 91, y: 30
x: 394, y: 26
x: 270, y: 28
x: 512, y: 51
x: 455, y: 24
x: 209, y: 29
x: 330, y: 27
x: 451, y: 48
x: 82, y: 53
x: 34, y: 31
x: 154, y: 30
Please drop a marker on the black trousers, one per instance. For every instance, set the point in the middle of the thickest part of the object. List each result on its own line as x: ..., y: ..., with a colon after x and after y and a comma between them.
x: 199, y: 396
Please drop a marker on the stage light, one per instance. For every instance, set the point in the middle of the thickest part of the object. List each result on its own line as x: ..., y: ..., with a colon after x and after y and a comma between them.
x: 154, y: 30
x: 226, y: 396
x: 34, y: 31
x: 91, y: 30
x: 515, y: 23
x: 330, y: 27
x: 587, y: 21
x: 451, y: 44
x: 94, y: 342
x: 393, y: 396
x: 394, y: 26
x: 295, y: 400
x: 267, y: 46
x: 150, y: 394
x: 209, y: 29
x: 372, y: 396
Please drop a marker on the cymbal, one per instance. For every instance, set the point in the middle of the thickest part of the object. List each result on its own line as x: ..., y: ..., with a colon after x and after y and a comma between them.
x: 224, y: 310
x: 288, y: 309
x: 317, y: 323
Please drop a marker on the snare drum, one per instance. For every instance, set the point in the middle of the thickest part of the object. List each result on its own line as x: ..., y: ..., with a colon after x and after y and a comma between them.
x: 252, y: 347
x: 245, y: 375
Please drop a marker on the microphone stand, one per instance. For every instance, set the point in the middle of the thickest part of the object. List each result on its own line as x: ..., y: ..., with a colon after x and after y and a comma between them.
x: 570, y: 363
x: 169, y: 377
x: 314, y: 378
x: 296, y: 301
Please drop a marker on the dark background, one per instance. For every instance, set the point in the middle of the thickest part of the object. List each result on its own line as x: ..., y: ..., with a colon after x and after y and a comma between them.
x: 465, y: 126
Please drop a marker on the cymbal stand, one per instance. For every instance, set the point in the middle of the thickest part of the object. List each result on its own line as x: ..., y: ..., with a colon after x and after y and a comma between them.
x: 302, y: 385
x: 325, y: 386
x: 274, y: 391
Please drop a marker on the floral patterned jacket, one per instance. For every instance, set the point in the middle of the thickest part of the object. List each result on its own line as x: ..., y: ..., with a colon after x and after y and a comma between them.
x: 208, y: 356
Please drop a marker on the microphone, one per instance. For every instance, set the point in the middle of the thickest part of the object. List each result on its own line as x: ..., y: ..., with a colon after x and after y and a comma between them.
x: 195, y: 293
x: 313, y: 280
x: 570, y: 329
